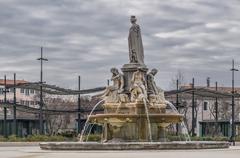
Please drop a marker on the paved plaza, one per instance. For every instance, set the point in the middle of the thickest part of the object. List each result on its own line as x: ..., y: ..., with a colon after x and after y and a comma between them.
x: 36, y: 152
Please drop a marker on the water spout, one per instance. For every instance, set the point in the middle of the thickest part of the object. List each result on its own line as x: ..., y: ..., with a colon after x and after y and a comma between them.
x: 148, y: 120
x: 86, y: 123
x: 89, y: 132
x: 185, y: 131
x: 172, y: 106
x: 182, y: 124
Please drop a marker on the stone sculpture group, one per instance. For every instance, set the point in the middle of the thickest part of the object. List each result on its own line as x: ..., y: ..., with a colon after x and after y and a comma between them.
x: 136, y: 84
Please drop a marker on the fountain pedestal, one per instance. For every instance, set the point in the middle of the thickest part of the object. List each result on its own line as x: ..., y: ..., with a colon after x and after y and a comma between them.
x: 128, y: 122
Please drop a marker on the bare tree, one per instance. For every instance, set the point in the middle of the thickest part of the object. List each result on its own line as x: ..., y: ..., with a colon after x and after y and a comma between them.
x: 178, y: 76
x: 56, y: 123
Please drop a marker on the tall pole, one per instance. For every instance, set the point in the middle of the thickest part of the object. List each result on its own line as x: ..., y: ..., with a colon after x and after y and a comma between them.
x: 5, y: 108
x: 233, y: 104
x: 14, y: 107
x: 216, y: 102
x: 177, y: 105
x: 79, y: 105
x: 216, y: 109
x: 41, y: 128
x: 193, y: 108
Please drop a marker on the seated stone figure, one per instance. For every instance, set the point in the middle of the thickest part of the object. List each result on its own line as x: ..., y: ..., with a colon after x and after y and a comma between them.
x: 114, y: 93
x: 138, y: 87
x: 155, y: 94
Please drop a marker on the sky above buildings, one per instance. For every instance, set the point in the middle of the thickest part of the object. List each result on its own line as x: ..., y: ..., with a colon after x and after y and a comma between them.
x: 88, y: 37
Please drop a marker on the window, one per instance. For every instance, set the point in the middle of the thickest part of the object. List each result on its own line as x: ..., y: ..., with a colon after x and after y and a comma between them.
x: 205, y: 105
x: 11, y: 90
x: 27, y: 92
x: 32, y: 91
x: 22, y: 90
x: 27, y: 103
x: 21, y: 102
x: 1, y: 90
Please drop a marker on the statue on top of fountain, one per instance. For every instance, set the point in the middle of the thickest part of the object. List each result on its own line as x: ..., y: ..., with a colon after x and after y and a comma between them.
x: 136, y: 53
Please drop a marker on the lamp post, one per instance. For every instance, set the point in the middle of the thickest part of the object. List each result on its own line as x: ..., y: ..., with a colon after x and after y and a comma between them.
x: 216, y: 109
x: 14, y: 106
x: 5, y: 132
x: 41, y: 130
x: 79, y: 105
x: 193, y: 108
x: 177, y: 104
x: 233, y: 104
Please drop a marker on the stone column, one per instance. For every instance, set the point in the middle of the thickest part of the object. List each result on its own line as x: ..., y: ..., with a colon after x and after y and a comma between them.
x: 162, y: 134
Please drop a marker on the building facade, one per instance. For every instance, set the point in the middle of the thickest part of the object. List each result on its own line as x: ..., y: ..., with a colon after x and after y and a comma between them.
x: 212, y: 114
x: 27, y: 123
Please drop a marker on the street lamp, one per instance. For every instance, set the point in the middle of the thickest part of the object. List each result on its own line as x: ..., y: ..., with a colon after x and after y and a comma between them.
x: 5, y: 132
x: 233, y: 104
x: 79, y: 104
x: 41, y: 94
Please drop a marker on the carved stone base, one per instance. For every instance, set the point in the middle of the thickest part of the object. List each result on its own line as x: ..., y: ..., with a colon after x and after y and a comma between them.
x: 129, y: 122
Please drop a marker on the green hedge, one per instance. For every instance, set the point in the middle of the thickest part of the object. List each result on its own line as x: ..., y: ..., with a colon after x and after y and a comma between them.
x: 35, y: 138
x: 92, y: 138
x: 207, y: 138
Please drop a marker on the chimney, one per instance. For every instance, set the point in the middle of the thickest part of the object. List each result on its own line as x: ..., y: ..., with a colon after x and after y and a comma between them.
x: 208, y: 81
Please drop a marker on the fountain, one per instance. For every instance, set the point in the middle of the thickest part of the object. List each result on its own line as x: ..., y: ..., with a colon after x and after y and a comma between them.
x: 135, y: 115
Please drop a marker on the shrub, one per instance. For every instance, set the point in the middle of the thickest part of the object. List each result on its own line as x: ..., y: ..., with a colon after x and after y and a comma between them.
x: 93, y: 138
x: 209, y: 138
x: 238, y: 138
x: 14, y: 138
x: 3, y: 139
x: 174, y: 137
x: 39, y: 138
x: 36, y: 138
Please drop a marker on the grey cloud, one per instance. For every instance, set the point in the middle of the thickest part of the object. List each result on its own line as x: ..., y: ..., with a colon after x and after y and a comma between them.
x: 87, y: 38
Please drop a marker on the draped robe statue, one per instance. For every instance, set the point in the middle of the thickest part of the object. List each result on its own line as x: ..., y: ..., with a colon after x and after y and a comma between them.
x: 136, y: 54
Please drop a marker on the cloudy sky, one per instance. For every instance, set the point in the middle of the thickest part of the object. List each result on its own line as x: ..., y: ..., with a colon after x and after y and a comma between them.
x: 88, y: 37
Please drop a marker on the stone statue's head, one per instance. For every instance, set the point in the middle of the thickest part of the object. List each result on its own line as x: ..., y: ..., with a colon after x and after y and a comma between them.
x: 133, y: 19
x: 114, y: 71
x: 154, y: 71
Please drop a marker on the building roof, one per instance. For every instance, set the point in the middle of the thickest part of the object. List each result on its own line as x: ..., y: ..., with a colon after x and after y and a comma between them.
x: 203, y: 91
x: 219, y: 88
x: 11, y: 82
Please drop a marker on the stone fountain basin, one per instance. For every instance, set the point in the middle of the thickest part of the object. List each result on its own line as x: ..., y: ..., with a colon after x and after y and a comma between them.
x: 191, y: 145
x: 154, y: 118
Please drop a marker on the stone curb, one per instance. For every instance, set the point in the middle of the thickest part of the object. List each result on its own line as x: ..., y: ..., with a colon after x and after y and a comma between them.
x: 133, y: 145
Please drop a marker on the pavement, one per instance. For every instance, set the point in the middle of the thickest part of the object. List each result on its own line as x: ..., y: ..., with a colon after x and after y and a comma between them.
x: 35, y: 152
